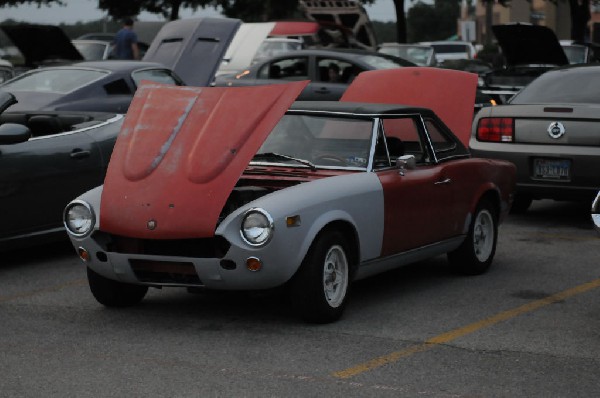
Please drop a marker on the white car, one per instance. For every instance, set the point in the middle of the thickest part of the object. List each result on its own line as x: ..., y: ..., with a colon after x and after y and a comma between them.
x: 452, y: 49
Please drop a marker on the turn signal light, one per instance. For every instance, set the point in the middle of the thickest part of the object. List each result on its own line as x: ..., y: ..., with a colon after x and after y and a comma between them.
x: 496, y: 129
x: 253, y: 264
x: 84, y: 255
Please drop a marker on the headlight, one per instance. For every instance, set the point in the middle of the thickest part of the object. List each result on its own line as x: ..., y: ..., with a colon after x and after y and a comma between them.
x: 79, y: 218
x: 257, y: 227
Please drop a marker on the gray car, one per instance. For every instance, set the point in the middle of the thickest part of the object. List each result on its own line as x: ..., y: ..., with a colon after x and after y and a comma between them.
x: 550, y: 132
x: 314, y: 65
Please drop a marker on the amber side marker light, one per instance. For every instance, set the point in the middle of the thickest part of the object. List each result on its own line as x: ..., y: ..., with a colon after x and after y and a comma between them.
x: 253, y: 264
x: 292, y: 221
x: 84, y: 255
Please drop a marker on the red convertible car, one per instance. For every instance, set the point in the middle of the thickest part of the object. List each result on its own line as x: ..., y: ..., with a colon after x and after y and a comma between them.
x: 243, y: 189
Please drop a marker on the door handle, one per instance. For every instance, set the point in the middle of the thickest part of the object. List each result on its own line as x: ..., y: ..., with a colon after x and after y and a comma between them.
x: 444, y: 181
x: 79, y: 154
x: 322, y: 90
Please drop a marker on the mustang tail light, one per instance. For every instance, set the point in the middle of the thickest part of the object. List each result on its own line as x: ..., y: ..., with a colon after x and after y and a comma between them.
x: 496, y: 129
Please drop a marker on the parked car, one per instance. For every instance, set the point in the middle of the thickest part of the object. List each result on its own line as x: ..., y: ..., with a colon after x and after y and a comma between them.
x: 452, y: 49
x: 104, y: 86
x: 421, y: 55
x: 596, y: 212
x: 528, y: 50
x: 47, y: 158
x: 6, y: 70
x: 313, y: 65
x: 184, y: 52
x: 549, y: 130
x: 233, y: 189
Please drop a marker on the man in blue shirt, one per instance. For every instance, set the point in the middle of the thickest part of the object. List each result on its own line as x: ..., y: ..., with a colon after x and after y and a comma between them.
x: 125, y: 42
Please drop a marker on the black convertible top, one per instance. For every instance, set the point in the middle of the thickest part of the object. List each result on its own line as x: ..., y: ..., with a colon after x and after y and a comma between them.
x: 358, y: 108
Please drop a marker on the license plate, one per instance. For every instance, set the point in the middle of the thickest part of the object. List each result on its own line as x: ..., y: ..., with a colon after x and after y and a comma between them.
x: 552, y: 169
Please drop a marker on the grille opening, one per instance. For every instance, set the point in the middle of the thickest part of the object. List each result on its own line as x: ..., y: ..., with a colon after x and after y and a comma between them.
x: 215, y: 247
x: 149, y: 271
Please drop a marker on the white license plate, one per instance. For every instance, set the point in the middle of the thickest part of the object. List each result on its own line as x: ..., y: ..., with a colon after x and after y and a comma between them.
x: 552, y: 169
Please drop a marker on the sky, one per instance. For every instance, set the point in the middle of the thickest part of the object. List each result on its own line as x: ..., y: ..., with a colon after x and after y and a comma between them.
x: 86, y: 10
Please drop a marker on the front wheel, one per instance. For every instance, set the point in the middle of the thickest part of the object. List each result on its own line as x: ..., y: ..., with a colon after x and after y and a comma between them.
x: 113, y: 293
x: 474, y: 256
x: 319, y: 289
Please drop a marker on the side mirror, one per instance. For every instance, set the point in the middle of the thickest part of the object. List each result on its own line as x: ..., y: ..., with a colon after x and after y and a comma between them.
x: 13, y: 133
x: 406, y: 162
x: 596, y: 212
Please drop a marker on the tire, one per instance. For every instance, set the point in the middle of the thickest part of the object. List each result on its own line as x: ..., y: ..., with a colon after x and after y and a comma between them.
x: 474, y: 256
x: 521, y: 203
x: 113, y: 293
x: 320, y: 288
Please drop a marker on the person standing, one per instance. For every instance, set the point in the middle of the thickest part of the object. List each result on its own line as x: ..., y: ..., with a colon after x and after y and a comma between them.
x: 126, y: 42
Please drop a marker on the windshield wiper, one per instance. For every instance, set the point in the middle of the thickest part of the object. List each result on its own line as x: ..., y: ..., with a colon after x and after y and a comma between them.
x: 286, y: 157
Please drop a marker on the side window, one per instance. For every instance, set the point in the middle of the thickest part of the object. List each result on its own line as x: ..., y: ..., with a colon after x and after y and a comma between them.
x: 117, y: 87
x: 155, y: 75
x: 285, y: 69
x: 403, y: 138
x: 333, y: 70
x: 443, y: 145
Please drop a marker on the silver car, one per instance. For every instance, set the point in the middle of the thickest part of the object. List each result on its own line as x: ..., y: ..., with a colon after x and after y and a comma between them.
x: 550, y: 131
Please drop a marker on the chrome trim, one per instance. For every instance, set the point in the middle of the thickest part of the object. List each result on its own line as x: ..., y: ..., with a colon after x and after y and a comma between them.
x: 596, y: 212
x: 92, y: 213
x: 114, y: 119
x: 269, y: 219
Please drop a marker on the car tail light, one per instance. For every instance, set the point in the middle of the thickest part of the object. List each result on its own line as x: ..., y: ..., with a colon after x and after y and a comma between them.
x: 496, y: 129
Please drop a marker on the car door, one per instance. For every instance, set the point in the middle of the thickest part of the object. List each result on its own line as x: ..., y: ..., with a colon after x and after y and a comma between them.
x: 40, y: 176
x: 414, y: 199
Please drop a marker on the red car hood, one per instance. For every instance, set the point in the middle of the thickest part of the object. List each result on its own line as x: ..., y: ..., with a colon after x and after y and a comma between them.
x: 449, y: 93
x: 181, y: 151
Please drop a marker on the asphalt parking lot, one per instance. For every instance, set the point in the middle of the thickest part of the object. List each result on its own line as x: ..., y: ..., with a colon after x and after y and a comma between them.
x: 528, y: 328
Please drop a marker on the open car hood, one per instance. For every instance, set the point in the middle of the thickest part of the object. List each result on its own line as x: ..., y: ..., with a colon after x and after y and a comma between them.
x: 180, y: 152
x: 193, y: 48
x: 449, y: 93
x: 41, y: 44
x: 525, y: 44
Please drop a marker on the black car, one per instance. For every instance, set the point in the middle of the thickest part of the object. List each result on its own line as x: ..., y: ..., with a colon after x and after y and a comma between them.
x: 314, y: 65
x: 46, y: 159
x: 529, y: 51
x: 106, y: 86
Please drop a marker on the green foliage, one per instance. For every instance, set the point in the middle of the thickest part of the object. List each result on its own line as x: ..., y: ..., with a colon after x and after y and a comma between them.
x: 426, y: 22
x: 384, y: 31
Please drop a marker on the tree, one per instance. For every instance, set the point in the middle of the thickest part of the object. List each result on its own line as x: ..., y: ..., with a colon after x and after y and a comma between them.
x: 428, y: 22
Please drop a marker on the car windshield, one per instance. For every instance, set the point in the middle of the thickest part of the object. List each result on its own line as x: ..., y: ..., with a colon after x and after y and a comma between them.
x: 318, y: 141
x: 60, y: 81
x: 155, y: 75
x: 575, y: 53
x: 91, y: 51
x: 379, y: 62
x: 562, y: 86
x: 418, y: 55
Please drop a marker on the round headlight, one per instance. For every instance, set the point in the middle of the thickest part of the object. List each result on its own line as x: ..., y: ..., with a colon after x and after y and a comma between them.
x: 79, y: 218
x: 257, y: 227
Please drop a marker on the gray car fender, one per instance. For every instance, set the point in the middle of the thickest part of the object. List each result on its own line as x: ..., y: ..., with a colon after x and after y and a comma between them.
x: 355, y: 198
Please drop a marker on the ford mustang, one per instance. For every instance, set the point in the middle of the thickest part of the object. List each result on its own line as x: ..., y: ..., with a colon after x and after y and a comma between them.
x: 243, y: 189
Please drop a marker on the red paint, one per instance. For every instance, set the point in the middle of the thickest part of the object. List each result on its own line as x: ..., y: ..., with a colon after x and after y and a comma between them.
x: 294, y: 28
x: 449, y: 93
x: 181, y: 151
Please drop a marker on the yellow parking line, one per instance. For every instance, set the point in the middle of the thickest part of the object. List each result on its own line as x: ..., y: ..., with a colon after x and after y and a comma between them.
x: 456, y: 333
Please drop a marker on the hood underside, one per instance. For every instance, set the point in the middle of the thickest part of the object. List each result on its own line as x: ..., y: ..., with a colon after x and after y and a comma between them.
x: 524, y: 44
x: 449, y: 93
x: 181, y: 151
x: 41, y: 44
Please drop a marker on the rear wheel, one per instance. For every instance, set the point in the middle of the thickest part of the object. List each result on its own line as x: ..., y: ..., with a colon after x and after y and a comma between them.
x: 475, y: 254
x: 319, y: 289
x: 113, y: 293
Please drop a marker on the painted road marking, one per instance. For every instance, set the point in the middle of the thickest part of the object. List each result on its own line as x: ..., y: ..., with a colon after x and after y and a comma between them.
x: 460, y: 332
